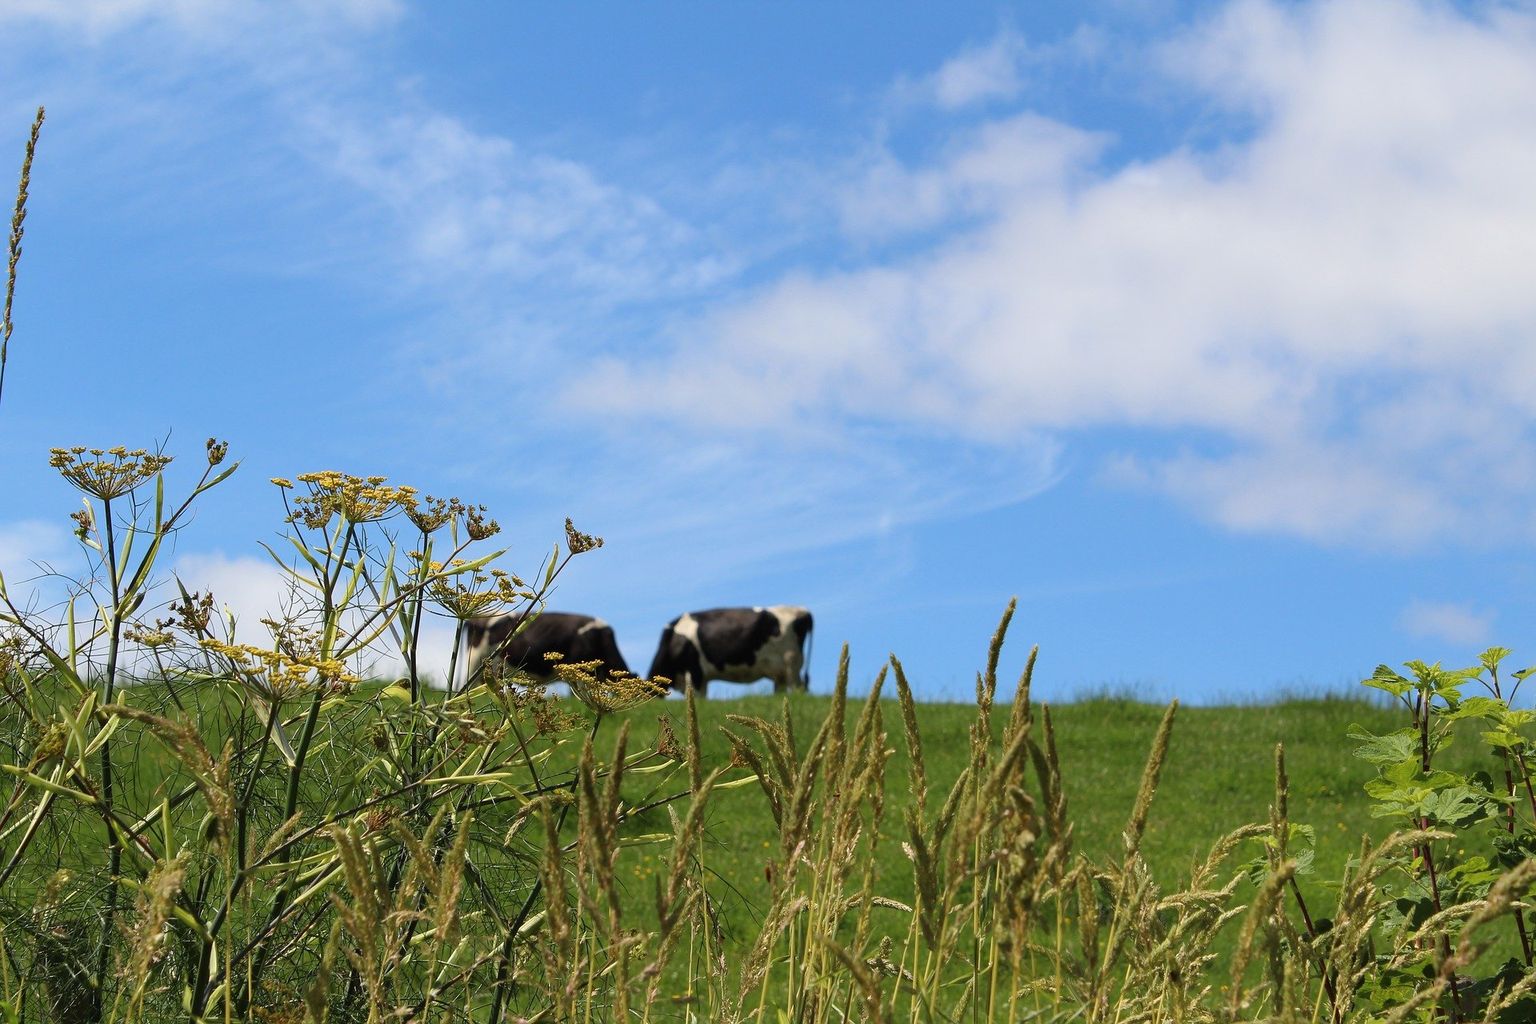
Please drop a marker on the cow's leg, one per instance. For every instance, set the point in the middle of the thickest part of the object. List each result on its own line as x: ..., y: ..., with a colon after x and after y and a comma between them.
x: 789, y: 674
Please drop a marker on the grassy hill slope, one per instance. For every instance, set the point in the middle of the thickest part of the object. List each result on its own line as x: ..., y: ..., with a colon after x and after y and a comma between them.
x: 1219, y: 775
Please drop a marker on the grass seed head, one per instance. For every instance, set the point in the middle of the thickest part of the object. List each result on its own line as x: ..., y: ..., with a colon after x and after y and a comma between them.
x: 149, y: 934
x: 18, y: 219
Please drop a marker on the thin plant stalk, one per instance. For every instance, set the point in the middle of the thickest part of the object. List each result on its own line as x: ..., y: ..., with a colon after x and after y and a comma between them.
x: 18, y: 219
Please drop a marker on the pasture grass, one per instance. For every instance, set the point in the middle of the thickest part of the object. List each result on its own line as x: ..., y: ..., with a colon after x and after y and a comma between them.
x: 1216, y: 774
x: 1219, y: 775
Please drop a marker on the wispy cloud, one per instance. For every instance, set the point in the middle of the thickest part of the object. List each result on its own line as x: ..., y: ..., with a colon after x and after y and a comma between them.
x: 981, y: 171
x: 978, y: 74
x: 30, y: 549
x: 482, y: 211
x: 1313, y: 313
x: 1447, y: 622
x: 212, y: 19
x: 996, y: 71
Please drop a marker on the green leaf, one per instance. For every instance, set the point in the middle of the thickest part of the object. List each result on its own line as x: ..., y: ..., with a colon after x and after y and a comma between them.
x: 37, y: 781
x: 1512, y: 850
x: 1477, y: 707
x: 1459, y: 805
x: 1389, y: 748
x: 1472, y: 877
x: 1503, y: 739
x: 1492, y: 656
x: 211, y: 484
x: 120, y: 570
x: 304, y: 553
x: 1386, y: 679
x: 549, y: 570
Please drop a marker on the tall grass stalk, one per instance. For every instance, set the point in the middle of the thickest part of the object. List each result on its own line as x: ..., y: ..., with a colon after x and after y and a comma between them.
x: 13, y: 250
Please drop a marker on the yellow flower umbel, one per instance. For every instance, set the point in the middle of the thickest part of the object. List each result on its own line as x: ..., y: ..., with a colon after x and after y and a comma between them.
x: 107, y: 473
x: 432, y: 514
x: 279, y: 674
x: 481, y: 593
x: 615, y: 692
x: 12, y: 656
x: 356, y: 499
x: 153, y: 637
x: 579, y: 542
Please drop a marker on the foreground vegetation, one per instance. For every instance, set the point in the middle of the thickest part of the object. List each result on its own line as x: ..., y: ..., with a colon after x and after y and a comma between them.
x: 566, y: 859
x: 257, y: 835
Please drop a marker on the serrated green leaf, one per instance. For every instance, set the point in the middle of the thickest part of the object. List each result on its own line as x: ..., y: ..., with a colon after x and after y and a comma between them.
x: 1492, y: 656
x: 1477, y: 707
x: 1386, y: 679
x: 1389, y: 748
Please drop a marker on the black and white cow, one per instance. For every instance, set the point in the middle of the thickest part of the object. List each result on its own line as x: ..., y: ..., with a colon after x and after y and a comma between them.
x: 574, y: 637
x: 739, y: 645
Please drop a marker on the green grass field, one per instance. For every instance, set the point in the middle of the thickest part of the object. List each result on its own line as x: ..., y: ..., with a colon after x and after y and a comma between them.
x: 1219, y: 775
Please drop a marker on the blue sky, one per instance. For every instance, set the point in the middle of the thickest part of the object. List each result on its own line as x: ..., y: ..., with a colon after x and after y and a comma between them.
x: 1205, y: 329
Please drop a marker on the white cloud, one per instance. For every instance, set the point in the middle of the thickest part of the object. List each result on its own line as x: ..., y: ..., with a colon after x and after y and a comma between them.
x: 982, y: 73
x: 1451, y: 623
x: 1331, y: 313
x: 25, y: 544
x: 30, y: 551
x: 404, y: 187
x: 750, y: 502
x: 981, y: 171
x: 995, y: 71
x: 97, y: 19
x: 250, y: 589
x: 476, y: 208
